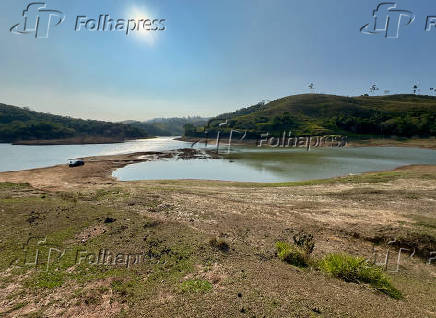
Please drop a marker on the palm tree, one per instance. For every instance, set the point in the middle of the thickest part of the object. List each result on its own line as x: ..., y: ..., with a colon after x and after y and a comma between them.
x: 373, y: 88
x: 311, y: 87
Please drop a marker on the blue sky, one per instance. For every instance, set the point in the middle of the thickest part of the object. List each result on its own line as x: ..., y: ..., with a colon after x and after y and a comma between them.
x: 213, y: 57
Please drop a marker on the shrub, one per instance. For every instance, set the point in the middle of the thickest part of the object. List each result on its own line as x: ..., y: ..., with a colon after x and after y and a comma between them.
x: 304, y: 241
x: 292, y: 254
x: 358, y: 270
x: 220, y: 244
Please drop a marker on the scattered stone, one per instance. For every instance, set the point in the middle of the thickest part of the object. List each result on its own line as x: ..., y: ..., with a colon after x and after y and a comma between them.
x: 150, y: 224
x: 316, y: 310
x: 109, y: 220
x: 34, y: 216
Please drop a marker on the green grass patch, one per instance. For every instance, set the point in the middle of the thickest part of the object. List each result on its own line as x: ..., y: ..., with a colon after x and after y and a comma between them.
x: 49, y: 279
x: 196, y: 286
x: 124, y: 287
x: 292, y: 254
x: 358, y: 270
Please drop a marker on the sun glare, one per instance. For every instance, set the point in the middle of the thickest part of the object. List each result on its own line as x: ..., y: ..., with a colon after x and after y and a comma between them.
x: 141, y: 14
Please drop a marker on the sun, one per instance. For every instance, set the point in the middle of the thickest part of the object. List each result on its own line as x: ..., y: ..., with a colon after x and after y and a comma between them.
x: 142, y: 35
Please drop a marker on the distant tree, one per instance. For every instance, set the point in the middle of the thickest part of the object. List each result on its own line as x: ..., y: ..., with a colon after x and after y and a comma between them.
x: 415, y: 89
x: 387, y: 92
x: 311, y: 87
x: 189, y: 129
x: 283, y: 122
x: 373, y: 88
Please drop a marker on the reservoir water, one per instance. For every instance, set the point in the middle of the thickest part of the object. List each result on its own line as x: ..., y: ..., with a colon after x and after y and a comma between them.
x: 250, y: 164
x: 267, y: 165
x: 17, y: 157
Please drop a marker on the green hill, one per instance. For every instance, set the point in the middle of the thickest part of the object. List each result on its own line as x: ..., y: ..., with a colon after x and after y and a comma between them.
x: 399, y: 115
x: 22, y: 124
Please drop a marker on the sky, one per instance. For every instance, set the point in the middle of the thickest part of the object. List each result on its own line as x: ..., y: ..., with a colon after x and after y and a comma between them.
x: 214, y: 56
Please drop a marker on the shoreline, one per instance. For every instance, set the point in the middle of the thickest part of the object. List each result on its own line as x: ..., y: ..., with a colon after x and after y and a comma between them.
x: 97, y: 170
x: 75, y: 141
x: 425, y: 143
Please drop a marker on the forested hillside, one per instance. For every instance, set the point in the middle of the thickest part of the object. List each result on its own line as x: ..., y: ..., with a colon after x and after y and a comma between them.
x: 20, y: 124
x: 395, y: 115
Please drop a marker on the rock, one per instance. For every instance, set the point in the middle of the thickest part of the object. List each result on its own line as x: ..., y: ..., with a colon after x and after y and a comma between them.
x: 109, y: 220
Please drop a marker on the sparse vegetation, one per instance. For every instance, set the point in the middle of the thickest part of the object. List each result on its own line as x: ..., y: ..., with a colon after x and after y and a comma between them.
x: 49, y: 279
x: 292, y: 254
x: 358, y: 270
x: 220, y: 244
x: 196, y: 286
x: 305, y: 241
x: 185, y: 270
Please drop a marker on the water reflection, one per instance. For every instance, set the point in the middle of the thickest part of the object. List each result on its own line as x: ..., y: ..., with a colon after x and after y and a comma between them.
x: 263, y: 165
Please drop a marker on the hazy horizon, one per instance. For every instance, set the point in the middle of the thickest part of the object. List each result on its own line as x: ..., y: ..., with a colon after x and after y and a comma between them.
x: 196, y: 115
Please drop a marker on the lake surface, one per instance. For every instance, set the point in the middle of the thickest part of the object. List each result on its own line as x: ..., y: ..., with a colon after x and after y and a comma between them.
x: 280, y: 165
x: 18, y: 157
x: 249, y: 164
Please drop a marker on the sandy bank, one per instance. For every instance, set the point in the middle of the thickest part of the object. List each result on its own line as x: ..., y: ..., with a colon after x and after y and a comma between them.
x: 96, y: 171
